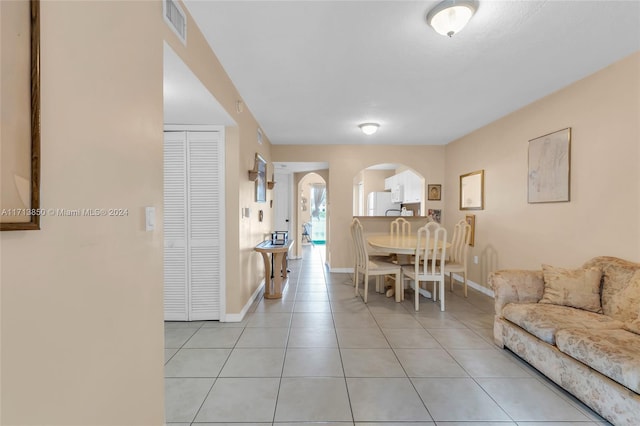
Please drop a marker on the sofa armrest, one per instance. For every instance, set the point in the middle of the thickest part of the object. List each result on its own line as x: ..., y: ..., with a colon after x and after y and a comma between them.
x: 516, y: 286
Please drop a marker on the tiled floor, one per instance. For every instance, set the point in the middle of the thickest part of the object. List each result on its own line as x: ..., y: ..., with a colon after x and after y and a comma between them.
x: 321, y: 355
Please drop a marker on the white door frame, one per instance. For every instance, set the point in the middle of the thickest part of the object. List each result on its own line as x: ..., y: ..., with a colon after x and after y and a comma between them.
x: 223, y: 237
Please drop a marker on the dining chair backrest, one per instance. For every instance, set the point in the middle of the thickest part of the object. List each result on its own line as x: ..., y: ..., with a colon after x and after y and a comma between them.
x: 460, y: 242
x: 432, y: 249
x: 358, y: 241
x: 401, y: 227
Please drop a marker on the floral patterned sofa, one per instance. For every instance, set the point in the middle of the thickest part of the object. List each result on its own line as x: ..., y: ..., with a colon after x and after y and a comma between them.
x: 580, y: 328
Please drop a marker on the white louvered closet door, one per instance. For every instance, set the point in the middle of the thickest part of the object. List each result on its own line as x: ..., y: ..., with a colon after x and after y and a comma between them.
x: 193, y: 223
x: 175, y: 227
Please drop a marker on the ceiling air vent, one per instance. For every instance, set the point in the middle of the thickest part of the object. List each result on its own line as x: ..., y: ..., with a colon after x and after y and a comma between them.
x: 176, y: 19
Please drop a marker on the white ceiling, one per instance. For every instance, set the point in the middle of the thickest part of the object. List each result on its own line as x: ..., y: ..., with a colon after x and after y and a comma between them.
x: 311, y: 71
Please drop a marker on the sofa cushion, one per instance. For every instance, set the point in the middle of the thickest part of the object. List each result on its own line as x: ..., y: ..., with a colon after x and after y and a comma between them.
x: 614, y: 353
x: 543, y: 321
x: 633, y: 326
x: 577, y: 288
x: 620, y: 287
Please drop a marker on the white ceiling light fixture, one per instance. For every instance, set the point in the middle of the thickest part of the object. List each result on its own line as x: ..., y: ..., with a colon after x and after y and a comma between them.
x: 450, y: 16
x: 369, y: 128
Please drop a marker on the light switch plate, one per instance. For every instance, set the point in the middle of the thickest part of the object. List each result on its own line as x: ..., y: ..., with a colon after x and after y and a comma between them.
x: 149, y: 218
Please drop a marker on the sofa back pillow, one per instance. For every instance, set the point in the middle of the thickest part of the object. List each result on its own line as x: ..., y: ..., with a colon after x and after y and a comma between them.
x: 620, y: 287
x: 577, y: 288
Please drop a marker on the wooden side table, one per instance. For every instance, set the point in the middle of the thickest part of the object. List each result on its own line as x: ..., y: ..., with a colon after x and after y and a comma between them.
x: 275, y: 267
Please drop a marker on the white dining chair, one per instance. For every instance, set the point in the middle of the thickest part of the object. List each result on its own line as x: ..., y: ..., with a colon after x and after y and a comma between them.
x: 400, y: 227
x: 457, y: 261
x: 429, y: 262
x: 372, y: 254
x: 370, y: 267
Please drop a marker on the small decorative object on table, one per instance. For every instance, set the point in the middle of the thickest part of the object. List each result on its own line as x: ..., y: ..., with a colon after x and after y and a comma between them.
x: 279, y: 238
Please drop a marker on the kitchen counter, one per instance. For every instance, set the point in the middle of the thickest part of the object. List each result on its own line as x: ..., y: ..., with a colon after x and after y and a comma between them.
x: 382, y: 224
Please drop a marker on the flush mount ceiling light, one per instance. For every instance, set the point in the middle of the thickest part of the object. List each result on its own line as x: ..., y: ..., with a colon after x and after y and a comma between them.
x: 450, y: 16
x: 369, y: 128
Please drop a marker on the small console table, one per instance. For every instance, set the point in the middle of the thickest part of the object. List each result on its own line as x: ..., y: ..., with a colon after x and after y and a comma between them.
x: 275, y: 267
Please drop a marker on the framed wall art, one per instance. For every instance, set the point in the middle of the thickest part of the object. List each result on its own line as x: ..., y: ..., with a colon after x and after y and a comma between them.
x: 261, y: 180
x: 20, y: 98
x: 435, y: 214
x: 472, y: 191
x: 549, y: 168
x: 434, y: 192
x: 471, y: 220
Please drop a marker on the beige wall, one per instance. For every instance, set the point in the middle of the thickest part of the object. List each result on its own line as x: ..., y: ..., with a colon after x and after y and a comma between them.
x: 345, y: 162
x: 82, y: 331
x: 82, y: 308
x: 244, y: 267
x: 374, y: 182
x: 603, y: 216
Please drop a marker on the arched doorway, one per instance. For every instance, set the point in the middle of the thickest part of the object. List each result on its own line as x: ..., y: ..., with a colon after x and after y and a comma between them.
x: 312, y: 211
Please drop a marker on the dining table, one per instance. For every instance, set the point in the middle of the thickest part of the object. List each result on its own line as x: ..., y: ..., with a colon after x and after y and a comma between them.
x: 404, y: 246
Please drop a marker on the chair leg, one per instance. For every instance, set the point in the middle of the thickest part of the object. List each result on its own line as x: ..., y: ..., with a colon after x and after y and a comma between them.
x: 416, y: 287
x: 433, y: 295
x: 442, y: 294
x: 356, y: 280
x: 398, y: 288
x: 366, y: 286
x: 464, y: 276
x: 451, y: 281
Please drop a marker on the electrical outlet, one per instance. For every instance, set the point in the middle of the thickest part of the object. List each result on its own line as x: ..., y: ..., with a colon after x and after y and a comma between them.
x: 475, y: 259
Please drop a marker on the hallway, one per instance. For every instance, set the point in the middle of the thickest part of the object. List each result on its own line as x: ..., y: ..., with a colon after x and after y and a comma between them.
x: 321, y: 355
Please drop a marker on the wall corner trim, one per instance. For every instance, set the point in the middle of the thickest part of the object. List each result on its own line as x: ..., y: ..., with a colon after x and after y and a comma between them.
x: 240, y: 316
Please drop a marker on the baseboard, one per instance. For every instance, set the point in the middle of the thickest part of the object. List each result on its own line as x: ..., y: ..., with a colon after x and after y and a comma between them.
x: 341, y: 270
x: 476, y: 286
x: 240, y: 316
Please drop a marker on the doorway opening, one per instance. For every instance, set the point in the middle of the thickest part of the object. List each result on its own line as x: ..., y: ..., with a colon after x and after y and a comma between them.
x: 312, y: 214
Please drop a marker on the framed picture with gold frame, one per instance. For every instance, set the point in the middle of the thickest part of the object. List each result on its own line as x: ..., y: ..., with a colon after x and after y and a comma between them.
x: 471, y: 220
x: 472, y: 191
x: 434, y: 192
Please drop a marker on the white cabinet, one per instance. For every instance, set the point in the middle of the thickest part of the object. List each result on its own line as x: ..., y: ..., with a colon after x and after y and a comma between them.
x: 412, y: 187
x: 394, y: 184
x: 390, y: 182
x: 397, y: 193
x: 193, y: 225
x: 406, y: 187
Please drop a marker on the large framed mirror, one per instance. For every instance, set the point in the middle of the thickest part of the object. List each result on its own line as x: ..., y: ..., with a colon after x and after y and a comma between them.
x: 20, y: 129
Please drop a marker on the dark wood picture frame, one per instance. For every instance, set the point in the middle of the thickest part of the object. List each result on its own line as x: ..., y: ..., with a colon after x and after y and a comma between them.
x: 261, y: 181
x: 12, y: 211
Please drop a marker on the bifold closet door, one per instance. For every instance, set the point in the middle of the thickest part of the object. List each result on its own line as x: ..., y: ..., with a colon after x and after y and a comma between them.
x: 193, y: 167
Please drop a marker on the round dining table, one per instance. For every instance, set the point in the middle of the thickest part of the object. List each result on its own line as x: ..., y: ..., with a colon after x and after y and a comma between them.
x: 402, y: 245
x: 398, y: 244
